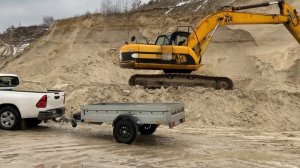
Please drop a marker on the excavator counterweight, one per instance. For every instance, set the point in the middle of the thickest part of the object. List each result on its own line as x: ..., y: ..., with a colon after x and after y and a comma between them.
x: 179, y: 53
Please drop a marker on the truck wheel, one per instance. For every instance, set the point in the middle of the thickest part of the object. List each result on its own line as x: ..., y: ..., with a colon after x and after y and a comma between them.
x: 33, y: 122
x: 124, y: 131
x: 147, y: 129
x: 9, y: 118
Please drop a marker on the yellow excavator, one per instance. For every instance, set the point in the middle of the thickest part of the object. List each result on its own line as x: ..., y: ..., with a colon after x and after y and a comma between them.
x: 179, y: 53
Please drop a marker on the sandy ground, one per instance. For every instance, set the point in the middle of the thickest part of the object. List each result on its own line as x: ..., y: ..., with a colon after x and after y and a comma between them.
x: 94, y: 146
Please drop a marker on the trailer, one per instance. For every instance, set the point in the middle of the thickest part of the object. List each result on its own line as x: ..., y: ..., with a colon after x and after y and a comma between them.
x: 131, y: 119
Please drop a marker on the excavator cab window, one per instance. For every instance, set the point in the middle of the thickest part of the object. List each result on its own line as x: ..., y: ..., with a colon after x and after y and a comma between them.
x: 176, y: 38
x: 179, y: 38
x: 162, y: 40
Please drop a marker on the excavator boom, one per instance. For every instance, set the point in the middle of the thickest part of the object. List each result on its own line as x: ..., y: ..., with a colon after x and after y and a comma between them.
x: 288, y: 16
x: 181, y: 52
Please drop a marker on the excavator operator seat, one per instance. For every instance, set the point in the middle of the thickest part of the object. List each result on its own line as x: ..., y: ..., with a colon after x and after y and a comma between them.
x: 179, y: 38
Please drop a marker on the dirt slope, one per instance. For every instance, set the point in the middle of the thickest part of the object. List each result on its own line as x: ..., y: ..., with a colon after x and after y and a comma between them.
x: 80, y: 55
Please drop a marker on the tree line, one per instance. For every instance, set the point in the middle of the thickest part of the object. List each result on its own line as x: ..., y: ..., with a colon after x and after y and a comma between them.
x: 118, y: 6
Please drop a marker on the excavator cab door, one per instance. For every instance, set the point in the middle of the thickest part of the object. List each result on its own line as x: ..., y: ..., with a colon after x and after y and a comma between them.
x: 162, y: 40
x: 165, y: 46
x: 166, y: 52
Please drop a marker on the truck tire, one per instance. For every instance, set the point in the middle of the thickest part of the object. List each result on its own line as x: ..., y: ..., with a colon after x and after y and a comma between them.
x: 33, y: 122
x: 9, y: 118
x: 124, y: 131
x: 147, y: 129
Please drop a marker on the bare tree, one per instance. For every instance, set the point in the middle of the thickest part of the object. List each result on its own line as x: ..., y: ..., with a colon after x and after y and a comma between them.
x: 125, y: 6
x: 48, y: 20
x: 106, y: 6
x: 118, y: 6
x: 135, y: 4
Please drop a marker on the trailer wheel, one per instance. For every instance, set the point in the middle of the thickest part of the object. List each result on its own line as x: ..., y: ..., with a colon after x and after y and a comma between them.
x: 9, y: 118
x: 124, y: 131
x: 147, y: 129
x: 77, y: 116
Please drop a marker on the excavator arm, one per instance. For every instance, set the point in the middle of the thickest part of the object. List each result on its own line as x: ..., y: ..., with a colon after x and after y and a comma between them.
x: 205, y: 30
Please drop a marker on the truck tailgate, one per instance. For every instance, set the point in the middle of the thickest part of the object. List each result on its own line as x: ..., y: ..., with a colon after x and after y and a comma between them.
x: 55, y: 99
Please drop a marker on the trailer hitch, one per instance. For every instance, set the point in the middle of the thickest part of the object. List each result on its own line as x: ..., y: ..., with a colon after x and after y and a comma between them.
x: 64, y: 119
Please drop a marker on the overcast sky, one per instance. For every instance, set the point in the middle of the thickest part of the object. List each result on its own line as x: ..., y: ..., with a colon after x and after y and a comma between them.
x: 29, y: 12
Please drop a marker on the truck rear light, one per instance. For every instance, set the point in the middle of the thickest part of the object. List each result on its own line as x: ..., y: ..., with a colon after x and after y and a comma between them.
x: 42, y: 103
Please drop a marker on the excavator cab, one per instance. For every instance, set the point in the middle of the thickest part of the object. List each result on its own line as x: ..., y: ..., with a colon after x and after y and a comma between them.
x: 178, y: 38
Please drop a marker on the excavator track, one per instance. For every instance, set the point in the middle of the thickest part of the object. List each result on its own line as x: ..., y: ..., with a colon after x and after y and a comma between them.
x: 176, y: 80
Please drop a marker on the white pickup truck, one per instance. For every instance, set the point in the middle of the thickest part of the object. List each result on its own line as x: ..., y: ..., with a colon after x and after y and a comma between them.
x: 19, y: 109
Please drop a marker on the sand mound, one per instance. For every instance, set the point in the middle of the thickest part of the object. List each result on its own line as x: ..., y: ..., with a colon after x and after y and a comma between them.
x: 255, y: 103
x: 80, y: 55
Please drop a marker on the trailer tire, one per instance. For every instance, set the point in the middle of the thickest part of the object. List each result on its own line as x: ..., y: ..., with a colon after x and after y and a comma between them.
x: 124, y: 131
x: 9, y: 118
x: 147, y: 129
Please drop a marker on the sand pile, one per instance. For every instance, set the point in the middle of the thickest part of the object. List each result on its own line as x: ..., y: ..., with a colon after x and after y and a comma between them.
x: 80, y: 56
x: 255, y: 103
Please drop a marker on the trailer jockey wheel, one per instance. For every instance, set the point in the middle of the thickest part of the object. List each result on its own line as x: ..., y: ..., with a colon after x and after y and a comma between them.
x: 124, y: 131
x: 74, y: 124
x: 147, y: 129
